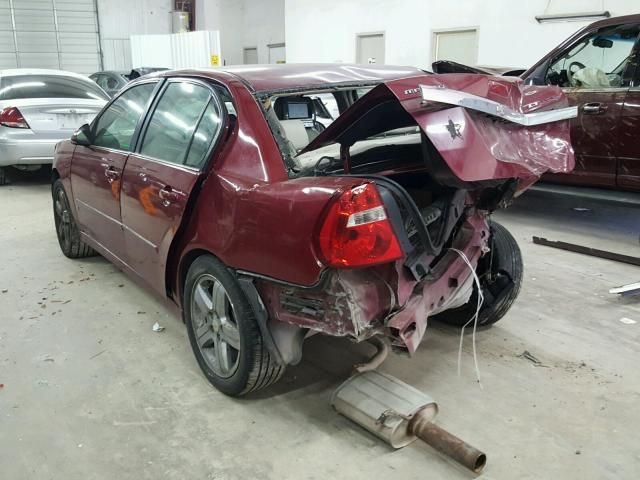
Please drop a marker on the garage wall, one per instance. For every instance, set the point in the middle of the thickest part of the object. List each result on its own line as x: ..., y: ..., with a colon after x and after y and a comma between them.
x: 242, y: 24
x: 58, y: 34
x: 508, y: 34
x: 119, y: 19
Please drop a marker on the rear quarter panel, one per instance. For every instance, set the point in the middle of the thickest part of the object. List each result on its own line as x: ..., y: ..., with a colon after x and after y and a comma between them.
x: 248, y: 212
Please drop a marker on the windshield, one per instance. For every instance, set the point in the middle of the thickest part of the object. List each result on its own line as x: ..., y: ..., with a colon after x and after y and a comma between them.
x: 48, y: 86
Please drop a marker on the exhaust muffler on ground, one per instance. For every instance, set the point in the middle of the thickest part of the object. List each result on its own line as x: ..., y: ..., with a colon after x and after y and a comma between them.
x: 399, y: 414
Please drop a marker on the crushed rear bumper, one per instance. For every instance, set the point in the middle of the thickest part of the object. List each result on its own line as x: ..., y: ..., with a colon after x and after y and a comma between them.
x: 384, y: 300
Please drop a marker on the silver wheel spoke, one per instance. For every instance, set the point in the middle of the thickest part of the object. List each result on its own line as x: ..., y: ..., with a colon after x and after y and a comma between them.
x: 219, y: 298
x: 222, y: 354
x: 59, y: 209
x: 207, y: 338
x: 203, y: 300
x: 230, y: 334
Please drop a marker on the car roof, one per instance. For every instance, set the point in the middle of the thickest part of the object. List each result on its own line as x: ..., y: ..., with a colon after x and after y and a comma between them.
x: 615, y: 21
x: 12, y: 72
x: 110, y: 72
x: 262, y: 78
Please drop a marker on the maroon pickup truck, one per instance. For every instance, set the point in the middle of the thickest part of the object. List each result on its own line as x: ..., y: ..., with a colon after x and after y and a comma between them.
x: 597, y: 69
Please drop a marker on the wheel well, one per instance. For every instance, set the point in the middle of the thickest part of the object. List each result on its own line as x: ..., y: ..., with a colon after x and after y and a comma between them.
x: 54, y: 176
x: 187, y: 260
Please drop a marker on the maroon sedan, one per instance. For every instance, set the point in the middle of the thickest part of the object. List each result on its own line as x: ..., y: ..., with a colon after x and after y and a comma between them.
x: 221, y: 191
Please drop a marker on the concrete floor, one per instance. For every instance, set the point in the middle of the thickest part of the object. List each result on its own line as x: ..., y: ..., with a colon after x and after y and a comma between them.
x: 91, y: 392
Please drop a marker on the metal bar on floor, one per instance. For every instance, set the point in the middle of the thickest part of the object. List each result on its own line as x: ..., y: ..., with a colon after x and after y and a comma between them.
x: 594, y: 252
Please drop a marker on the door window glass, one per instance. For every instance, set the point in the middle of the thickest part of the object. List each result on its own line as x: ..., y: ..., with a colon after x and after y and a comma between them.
x: 174, y: 121
x: 600, y: 60
x: 204, y: 135
x: 100, y: 80
x: 115, y: 127
x: 110, y: 83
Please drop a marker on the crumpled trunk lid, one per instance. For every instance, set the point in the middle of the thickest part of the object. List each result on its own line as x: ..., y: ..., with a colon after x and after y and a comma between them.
x: 483, y: 127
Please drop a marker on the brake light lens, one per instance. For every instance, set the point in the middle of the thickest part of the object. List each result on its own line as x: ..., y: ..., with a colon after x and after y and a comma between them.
x: 356, y: 231
x: 11, y: 117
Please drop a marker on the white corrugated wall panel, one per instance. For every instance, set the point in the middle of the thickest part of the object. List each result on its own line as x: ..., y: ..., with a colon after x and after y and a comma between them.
x: 49, y: 34
x: 151, y: 51
x: 116, y: 53
x: 178, y: 50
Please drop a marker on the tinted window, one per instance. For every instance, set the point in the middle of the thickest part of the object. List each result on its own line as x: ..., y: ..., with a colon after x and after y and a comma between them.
x: 600, y: 60
x: 205, y: 133
x: 174, y: 121
x: 115, y: 127
x: 48, y: 86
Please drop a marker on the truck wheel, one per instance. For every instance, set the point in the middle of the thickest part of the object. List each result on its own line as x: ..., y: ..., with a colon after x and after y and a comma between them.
x: 3, y: 176
x: 500, y: 272
x: 66, y: 229
x: 223, y: 332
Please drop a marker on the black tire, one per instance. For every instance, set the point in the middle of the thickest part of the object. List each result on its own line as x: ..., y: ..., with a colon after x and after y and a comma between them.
x: 254, y: 368
x: 3, y: 176
x: 66, y: 228
x: 500, y: 272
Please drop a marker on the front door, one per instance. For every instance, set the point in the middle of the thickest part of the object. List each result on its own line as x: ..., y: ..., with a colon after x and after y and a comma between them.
x: 595, y: 74
x: 629, y: 156
x: 96, y: 170
x: 159, y: 178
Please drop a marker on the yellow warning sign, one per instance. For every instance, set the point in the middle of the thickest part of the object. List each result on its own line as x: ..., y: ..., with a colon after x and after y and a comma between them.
x: 215, y: 60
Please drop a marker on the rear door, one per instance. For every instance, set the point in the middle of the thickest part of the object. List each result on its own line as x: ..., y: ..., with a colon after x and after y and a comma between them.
x: 96, y: 170
x: 160, y: 176
x: 595, y: 73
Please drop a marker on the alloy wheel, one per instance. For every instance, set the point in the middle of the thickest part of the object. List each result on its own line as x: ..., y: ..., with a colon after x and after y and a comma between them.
x: 214, y: 326
x: 62, y: 219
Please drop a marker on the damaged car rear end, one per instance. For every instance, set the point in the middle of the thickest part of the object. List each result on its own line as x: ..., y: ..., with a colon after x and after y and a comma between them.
x: 391, y: 206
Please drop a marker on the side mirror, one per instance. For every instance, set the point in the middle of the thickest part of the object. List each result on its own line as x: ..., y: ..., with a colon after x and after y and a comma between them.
x: 82, y: 136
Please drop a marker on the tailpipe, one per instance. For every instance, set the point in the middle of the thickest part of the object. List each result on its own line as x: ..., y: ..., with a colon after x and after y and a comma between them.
x: 447, y: 443
x: 399, y: 414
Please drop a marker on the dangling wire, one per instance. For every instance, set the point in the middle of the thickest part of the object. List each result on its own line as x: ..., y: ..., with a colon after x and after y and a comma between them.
x: 473, y: 319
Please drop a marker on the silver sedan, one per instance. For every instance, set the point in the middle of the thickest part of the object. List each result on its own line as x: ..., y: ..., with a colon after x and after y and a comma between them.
x: 38, y: 108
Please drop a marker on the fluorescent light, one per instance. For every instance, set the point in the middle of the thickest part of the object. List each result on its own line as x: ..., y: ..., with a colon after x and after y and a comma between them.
x: 573, y: 17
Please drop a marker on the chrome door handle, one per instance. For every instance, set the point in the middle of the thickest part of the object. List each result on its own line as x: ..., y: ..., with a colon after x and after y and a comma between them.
x: 168, y: 195
x: 594, y: 108
x: 111, y: 173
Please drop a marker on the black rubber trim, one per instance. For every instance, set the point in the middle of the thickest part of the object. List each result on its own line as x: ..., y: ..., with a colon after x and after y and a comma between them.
x: 261, y: 315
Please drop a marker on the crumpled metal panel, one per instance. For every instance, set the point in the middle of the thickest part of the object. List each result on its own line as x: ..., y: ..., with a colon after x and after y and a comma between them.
x: 475, y: 146
x: 465, y: 136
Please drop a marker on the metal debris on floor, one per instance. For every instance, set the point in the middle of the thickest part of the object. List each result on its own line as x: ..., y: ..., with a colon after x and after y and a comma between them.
x: 627, y: 290
x: 532, y: 358
x: 628, y: 321
x: 594, y: 252
x: 157, y: 327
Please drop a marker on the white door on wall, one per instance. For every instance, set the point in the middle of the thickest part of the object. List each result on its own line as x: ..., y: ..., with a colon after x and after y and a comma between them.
x: 370, y: 48
x: 59, y: 34
x: 250, y: 56
x: 457, y: 45
x: 277, y: 53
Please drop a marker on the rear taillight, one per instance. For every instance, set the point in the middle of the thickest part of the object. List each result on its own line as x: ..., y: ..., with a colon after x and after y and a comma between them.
x: 356, y: 231
x: 11, y: 117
